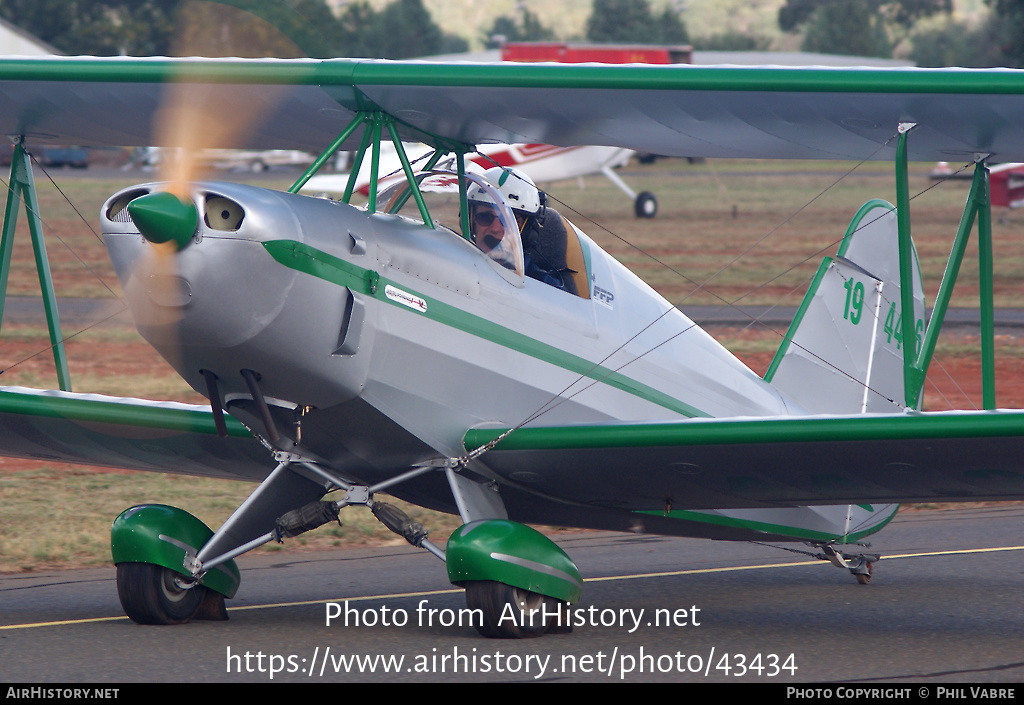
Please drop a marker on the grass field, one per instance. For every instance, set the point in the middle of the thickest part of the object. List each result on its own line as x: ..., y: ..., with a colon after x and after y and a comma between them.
x: 724, y: 229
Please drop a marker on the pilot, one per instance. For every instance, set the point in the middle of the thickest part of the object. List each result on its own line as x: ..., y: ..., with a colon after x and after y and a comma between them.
x: 488, y: 230
x: 541, y: 228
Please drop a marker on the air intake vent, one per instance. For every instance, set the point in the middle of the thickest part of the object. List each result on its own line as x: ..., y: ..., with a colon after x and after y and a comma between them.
x: 223, y: 214
x: 118, y: 211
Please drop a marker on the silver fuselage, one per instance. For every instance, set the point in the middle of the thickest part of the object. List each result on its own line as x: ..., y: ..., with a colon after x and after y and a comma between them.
x: 379, y: 342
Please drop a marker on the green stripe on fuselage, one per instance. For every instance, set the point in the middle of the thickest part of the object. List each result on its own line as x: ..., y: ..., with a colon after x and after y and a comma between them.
x: 309, y: 260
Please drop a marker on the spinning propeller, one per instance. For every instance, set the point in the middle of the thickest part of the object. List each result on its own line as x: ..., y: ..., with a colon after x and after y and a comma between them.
x: 191, y: 118
x: 197, y: 115
x: 194, y: 117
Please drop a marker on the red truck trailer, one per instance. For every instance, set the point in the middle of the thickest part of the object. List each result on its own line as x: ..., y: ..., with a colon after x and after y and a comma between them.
x: 571, y: 53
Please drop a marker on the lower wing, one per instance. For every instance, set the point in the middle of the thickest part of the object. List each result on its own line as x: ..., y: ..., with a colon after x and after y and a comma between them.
x: 127, y: 433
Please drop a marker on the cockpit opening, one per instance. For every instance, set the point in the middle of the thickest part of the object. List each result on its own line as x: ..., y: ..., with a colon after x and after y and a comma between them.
x: 508, y: 220
x: 499, y: 239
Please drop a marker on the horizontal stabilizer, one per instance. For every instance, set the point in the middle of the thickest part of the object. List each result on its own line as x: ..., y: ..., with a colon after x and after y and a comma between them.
x: 842, y: 523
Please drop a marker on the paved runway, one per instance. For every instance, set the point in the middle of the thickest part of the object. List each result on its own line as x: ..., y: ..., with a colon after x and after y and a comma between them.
x: 944, y: 607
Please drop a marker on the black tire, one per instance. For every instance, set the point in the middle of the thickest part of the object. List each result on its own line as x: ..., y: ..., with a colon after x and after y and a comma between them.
x: 150, y: 594
x: 496, y: 600
x: 865, y: 579
x: 646, y: 205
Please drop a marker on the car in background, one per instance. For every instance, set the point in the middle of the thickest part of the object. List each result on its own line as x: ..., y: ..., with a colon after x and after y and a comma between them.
x: 55, y: 156
x: 253, y: 160
x: 256, y: 161
x: 73, y: 157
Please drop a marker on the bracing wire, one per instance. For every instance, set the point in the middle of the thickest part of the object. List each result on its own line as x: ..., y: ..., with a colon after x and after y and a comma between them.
x: 53, y: 232
x: 564, y: 395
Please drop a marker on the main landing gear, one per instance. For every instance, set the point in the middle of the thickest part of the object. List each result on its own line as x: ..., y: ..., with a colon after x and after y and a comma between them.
x: 171, y: 568
x: 518, y: 580
x: 529, y: 610
x: 151, y: 545
x: 153, y: 594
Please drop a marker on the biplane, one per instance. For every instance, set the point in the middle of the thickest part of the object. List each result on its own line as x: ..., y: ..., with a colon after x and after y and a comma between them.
x: 347, y: 351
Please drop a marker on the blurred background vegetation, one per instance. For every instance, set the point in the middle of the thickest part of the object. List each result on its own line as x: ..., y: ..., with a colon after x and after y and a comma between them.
x: 970, y: 33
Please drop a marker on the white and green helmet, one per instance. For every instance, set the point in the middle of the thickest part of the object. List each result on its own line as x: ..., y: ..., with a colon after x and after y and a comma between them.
x: 518, y: 189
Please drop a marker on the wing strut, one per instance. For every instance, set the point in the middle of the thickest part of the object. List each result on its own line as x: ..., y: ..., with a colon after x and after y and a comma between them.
x: 327, y: 154
x: 375, y: 123
x: 917, y: 358
x: 912, y: 377
x: 357, y: 163
x: 22, y: 187
x: 463, y: 194
x: 409, y: 176
x: 978, y: 207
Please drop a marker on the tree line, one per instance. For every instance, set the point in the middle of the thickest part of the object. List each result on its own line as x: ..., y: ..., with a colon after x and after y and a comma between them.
x: 924, y: 31
x: 246, y: 28
x: 926, y: 28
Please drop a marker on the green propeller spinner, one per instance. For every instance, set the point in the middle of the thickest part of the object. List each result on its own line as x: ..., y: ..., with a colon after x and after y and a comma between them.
x: 163, y: 217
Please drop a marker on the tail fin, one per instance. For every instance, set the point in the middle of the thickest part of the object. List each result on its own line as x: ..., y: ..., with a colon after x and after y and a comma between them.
x: 843, y: 353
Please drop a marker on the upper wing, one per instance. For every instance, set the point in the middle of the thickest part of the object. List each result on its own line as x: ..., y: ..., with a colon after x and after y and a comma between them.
x: 126, y: 433
x: 769, y: 112
x: 749, y: 463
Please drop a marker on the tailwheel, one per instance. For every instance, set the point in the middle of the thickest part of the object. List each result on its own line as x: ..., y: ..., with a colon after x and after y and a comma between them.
x: 153, y: 594
x: 860, y: 566
x: 510, y: 612
x: 865, y: 578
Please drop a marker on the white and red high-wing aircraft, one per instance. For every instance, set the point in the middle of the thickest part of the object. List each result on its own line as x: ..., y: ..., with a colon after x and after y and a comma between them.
x: 348, y: 350
x: 543, y: 163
